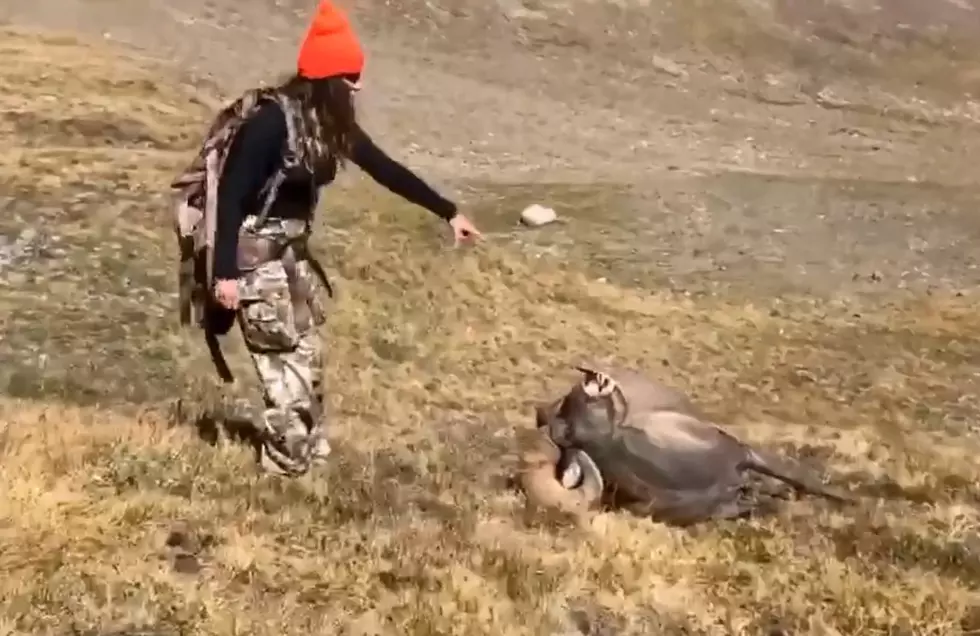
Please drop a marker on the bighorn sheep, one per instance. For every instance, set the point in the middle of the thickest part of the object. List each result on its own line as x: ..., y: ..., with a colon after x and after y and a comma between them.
x: 644, y: 447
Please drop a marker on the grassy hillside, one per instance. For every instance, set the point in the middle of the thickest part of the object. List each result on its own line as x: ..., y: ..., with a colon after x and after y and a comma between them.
x: 117, y: 518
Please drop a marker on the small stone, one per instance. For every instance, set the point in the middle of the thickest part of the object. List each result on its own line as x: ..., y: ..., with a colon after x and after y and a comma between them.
x: 668, y: 66
x: 537, y: 215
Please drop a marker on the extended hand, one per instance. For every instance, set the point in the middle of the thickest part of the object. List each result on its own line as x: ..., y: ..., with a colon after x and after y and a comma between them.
x: 463, y: 230
x: 226, y: 293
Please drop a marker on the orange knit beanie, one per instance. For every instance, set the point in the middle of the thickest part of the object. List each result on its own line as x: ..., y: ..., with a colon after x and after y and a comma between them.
x: 331, y: 47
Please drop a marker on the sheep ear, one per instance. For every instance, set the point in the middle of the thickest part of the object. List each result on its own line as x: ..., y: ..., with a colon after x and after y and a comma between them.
x: 544, y: 412
x: 619, y: 407
x: 540, y: 415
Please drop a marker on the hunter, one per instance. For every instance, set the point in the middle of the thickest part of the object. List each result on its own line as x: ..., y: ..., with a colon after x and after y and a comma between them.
x: 290, y: 143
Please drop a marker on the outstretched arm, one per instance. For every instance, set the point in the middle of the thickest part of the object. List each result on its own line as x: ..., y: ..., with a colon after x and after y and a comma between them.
x: 396, y: 177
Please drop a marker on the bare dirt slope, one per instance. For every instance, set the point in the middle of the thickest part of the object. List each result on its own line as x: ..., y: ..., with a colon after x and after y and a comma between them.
x: 770, y: 204
x: 829, y: 123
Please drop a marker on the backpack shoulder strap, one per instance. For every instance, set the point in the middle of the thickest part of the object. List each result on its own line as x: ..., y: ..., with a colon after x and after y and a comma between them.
x: 293, y: 154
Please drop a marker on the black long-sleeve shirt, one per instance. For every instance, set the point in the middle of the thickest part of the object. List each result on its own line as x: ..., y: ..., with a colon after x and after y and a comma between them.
x: 255, y: 155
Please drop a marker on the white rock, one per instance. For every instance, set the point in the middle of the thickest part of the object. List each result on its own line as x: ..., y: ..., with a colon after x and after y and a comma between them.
x: 537, y: 215
x: 668, y: 66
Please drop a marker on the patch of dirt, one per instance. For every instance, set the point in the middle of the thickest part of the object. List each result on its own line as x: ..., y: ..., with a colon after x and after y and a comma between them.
x: 767, y: 143
x: 792, y: 246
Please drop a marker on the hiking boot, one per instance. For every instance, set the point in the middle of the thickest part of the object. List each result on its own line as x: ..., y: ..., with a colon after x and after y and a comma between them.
x: 286, y: 455
x: 268, y: 466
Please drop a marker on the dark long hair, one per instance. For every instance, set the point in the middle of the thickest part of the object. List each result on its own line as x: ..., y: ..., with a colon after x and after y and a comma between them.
x: 327, y: 107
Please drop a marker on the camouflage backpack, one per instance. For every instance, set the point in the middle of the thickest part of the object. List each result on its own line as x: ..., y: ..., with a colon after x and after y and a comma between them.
x: 195, y: 213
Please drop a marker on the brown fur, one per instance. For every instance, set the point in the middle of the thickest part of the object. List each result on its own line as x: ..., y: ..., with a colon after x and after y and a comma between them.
x: 671, y: 429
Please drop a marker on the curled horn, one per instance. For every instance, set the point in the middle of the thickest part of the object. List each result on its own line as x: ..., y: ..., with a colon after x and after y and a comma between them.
x: 591, y: 484
x: 538, y: 462
x: 606, y: 387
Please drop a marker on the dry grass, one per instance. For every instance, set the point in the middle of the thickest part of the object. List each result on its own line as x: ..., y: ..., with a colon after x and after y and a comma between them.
x: 434, y: 357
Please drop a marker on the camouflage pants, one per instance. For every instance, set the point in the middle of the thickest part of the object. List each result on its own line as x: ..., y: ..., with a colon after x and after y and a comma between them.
x: 279, y: 314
